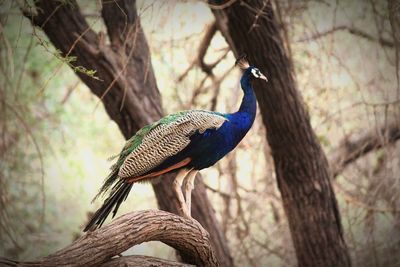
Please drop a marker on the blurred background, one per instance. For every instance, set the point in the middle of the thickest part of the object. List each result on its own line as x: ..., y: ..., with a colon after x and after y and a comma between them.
x: 55, y: 136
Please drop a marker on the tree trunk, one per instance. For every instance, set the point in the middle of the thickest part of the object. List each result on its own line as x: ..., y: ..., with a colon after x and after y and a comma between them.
x: 126, y: 85
x: 301, y: 167
x: 394, y: 18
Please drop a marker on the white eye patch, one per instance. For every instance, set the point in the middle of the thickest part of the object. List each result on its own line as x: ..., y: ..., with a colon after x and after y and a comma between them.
x: 256, y: 72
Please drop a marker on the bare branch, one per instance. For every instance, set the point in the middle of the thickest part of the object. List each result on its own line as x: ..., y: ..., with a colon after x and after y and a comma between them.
x: 220, y: 6
x: 219, y: 192
x: 117, y: 18
x: 202, y: 50
x: 70, y: 89
x: 98, y: 247
x: 358, y: 145
x: 352, y: 30
x: 205, y: 43
x: 80, y: 42
x: 143, y: 261
x: 217, y: 87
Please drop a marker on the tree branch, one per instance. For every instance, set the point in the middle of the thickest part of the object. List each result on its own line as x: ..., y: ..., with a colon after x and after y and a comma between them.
x: 78, y: 40
x: 201, y: 53
x: 98, y: 247
x: 143, y: 261
x: 358, y: 145
x: 352, y: 30
x: 205, y: 43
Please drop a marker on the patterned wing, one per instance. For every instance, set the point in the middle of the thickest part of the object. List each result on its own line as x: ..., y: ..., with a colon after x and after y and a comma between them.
x: 166, y: 138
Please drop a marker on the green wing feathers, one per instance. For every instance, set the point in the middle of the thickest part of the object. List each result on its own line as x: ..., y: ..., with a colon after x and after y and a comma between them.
x: 171, y: 130
x: 129, y: 147
x: 148, y: 148
x: 166, y: 139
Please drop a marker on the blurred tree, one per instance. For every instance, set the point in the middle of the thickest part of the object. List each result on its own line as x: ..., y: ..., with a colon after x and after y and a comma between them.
x: 394, y: 18
x: 301, y: 167
x: 123, y: 80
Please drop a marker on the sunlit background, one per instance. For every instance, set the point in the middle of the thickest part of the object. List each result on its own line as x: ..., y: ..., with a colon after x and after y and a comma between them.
x: 55, y: 135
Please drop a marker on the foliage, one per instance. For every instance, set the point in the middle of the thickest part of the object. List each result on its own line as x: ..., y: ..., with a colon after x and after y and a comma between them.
x: 41, y: 155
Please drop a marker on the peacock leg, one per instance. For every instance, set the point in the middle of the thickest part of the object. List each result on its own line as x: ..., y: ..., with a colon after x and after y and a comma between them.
x: 178, y: 190
x: 189, y: 185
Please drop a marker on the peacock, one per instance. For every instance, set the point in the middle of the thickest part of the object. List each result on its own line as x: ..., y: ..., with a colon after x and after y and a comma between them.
x: 185, y: 142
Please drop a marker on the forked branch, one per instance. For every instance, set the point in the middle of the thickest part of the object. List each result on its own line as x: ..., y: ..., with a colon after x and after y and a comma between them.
x: 352, y: 30
x: 98, y: 248
x: 358, y: 145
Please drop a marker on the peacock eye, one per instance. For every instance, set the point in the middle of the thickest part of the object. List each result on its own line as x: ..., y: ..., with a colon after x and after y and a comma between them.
x: 256, y: 72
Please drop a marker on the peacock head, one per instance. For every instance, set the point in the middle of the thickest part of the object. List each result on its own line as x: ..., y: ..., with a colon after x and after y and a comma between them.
x: 249, y: 70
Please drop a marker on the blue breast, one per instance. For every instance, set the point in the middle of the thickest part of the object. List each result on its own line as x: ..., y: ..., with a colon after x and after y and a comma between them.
x: 209, y: 147
x: 206, y: 148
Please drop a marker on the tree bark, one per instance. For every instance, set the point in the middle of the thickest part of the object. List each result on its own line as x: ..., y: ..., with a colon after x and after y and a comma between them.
x: 98, y: 247
x: 394, y: 18
x: 301, y: 167
x: 143, y: 261
x: 126, y: 85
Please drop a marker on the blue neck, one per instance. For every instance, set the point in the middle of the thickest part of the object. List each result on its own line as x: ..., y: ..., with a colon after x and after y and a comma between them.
x: 249, y: 103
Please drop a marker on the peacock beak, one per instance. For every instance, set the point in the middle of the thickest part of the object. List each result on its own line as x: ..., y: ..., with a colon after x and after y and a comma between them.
x: 262, y: 76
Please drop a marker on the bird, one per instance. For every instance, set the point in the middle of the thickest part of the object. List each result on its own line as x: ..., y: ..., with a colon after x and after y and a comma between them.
x: 185, y: 142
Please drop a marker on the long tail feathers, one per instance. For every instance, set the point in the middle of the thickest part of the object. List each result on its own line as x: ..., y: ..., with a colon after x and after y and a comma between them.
x: 118, y: 194
x: 108, y: 182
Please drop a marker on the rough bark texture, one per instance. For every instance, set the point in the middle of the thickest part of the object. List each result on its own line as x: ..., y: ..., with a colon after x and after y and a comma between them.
x: 394, y: 18
x: 98, y: 247
x: 142, y: 261
x: 301, y: 167
x: 125, y: 261
x: 357, y: 145
x: 127, y: 87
